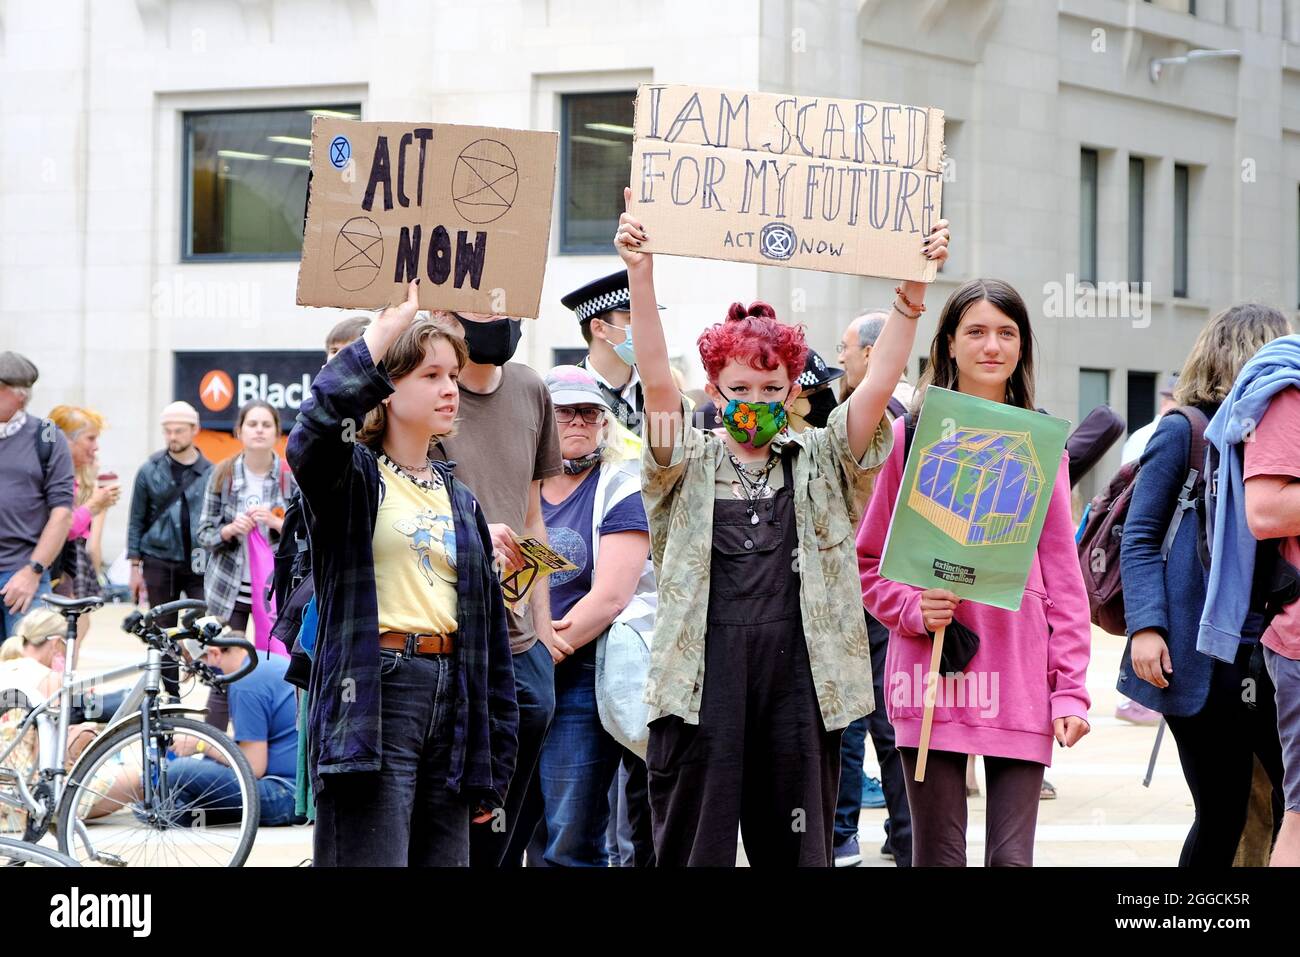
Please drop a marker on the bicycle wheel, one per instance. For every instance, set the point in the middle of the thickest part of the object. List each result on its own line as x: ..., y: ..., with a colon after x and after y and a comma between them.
x: 17, y: 853
x: 22, y: 758
x: 201, y: 814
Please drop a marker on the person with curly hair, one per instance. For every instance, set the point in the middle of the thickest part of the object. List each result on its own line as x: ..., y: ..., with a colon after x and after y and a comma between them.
x: 760, y: 658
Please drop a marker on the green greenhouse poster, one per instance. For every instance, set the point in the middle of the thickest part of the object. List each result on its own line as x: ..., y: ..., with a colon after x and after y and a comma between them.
x: 976, y: 486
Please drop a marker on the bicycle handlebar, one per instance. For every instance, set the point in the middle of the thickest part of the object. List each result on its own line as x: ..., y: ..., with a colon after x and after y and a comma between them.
x: 231, y: 641
x: 181, y: 604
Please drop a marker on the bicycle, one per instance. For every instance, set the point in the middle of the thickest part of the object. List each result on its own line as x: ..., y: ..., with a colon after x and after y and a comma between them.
x: 17, y: 853
x: 125, y: 800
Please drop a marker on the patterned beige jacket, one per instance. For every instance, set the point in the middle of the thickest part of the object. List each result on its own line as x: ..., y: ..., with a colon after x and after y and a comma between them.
x: 830, y: 491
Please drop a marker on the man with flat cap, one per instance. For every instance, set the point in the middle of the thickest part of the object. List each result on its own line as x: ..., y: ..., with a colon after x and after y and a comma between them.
x: 603, y: 308
x: 36, y: 492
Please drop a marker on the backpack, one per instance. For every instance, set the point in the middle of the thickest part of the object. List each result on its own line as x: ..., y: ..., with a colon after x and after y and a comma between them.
x: 1100, y: 540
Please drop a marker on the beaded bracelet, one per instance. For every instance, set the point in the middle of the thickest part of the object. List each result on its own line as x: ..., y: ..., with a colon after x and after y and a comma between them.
x: 918, y: 308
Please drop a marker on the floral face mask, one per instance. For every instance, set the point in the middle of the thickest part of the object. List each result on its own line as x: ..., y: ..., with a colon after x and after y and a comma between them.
x: 754, y: 424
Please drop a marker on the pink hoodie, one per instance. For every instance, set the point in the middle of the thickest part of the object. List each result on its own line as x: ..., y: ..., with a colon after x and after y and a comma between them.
x: 1031, y: 664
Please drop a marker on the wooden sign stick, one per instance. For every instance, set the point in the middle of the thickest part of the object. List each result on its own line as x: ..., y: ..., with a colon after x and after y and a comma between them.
x: 931, y: 693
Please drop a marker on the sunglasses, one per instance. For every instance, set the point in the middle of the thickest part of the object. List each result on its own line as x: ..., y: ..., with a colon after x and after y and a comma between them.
x: 591, y: 414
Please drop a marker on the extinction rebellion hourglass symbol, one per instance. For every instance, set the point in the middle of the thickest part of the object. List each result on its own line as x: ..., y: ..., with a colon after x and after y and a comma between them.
x: 485, y: 180
x: 777, y: 241
x: 358, y: 253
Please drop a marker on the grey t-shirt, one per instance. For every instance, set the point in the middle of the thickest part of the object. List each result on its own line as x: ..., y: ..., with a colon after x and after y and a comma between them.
x: 28, y: 493
x: 505, y: 441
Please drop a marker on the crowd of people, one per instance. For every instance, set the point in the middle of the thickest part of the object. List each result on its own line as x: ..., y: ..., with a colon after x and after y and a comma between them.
x: 708, y: 663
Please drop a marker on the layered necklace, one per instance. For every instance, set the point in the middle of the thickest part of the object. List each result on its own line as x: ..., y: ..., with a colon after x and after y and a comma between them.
x: 753, y: 482
x: 409, y: 472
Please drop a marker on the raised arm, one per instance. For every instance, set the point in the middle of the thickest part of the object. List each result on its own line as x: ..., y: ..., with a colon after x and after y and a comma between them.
x: 663, y: 403
x: 890, y: 353
x: 351, y: 384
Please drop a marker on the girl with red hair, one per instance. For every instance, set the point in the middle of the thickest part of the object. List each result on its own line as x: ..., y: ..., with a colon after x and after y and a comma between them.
x: 751, y: 531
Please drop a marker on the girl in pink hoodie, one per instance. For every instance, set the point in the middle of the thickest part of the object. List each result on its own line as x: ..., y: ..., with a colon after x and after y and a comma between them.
x: 1025, y: 686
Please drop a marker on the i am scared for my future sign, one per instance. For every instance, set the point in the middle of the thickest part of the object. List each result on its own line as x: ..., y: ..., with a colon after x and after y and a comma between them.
x: 837, y: 185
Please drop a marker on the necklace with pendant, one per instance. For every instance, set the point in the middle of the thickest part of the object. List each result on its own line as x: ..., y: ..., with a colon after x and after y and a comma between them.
x: 753, y: 482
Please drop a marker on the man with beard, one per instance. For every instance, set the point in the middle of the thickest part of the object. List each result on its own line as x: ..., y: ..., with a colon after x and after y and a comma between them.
x: 166, y: 504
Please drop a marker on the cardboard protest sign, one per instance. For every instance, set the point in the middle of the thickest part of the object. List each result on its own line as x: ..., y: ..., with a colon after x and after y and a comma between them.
x: 847, y: 186
x: 466, y: 209
x: 539, y: 561
x: 974, y: 497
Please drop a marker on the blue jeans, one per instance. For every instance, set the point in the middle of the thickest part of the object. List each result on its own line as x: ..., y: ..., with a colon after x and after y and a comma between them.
x: 199, y: 784
x: 402, y: 815
x: 9, y: 620
x: 535, y: 691
x: 578, y: 762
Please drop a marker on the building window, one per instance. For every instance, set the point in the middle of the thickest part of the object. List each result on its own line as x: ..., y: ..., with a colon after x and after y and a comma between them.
x: 1088, y: 216
x: 1094, y: 390
x: 245, y: 181
x: 1136, y: 216
x: 1141, y: 399
x: 596, y: 159
x: 1182, y: 187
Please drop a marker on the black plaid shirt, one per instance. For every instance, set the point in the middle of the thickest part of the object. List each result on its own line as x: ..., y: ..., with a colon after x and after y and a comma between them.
x: 341, y: 487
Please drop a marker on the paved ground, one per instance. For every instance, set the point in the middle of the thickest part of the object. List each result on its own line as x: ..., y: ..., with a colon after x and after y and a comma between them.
x: 1102, y: 815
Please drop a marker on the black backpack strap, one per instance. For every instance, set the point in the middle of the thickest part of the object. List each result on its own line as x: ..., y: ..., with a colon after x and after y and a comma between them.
x: 174, y: 496
x: 896, y: 407
x: 44, y: 446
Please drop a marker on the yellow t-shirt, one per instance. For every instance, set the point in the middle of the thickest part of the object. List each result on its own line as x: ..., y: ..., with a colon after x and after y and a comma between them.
x: 415, y: 556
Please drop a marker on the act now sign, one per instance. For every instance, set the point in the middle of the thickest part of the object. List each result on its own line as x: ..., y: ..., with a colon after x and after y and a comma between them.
x: 218, y: 383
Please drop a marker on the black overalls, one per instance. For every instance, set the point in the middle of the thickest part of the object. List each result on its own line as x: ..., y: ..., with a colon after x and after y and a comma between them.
x: 760, y: 759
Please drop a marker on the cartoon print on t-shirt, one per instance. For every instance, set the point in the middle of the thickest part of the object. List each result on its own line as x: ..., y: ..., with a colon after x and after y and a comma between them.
x: 423, y: 530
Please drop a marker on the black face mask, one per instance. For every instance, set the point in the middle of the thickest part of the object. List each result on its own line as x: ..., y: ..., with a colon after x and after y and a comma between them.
x: 492, y: 343
x: 821, y: 404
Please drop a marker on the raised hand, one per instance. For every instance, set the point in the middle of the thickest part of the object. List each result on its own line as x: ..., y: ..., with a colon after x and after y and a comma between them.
x: 630, y: 236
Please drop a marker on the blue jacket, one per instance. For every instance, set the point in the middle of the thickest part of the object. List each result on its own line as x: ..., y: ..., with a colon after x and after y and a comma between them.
x: 340, y: 483
x: 1159, y: 594
x: 1227, y: 602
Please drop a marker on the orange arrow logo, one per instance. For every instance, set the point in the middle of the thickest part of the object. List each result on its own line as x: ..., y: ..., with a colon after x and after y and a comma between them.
x: 216, y: 390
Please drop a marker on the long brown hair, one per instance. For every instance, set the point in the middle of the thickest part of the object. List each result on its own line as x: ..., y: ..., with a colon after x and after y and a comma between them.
x: 223, y: 471
x: 942, y: 370
x: 403, y: 357
x: 1225, y: 345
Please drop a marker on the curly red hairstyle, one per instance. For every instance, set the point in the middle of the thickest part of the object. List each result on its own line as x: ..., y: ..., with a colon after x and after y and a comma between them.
x: 755, y: 337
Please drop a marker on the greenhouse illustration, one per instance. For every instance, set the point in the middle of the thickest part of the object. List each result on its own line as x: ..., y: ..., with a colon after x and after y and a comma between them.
x: 979, y: 487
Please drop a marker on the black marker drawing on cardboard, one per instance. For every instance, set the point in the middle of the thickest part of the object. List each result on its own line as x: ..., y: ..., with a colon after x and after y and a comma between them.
x: 485, y: 180
x: 358, y: 253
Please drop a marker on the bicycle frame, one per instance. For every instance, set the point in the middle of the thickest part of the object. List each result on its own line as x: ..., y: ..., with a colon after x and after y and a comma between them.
x: 140, y: 702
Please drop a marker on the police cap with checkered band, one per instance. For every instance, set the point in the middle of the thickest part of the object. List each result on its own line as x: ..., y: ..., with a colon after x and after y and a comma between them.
x: 607, y: 294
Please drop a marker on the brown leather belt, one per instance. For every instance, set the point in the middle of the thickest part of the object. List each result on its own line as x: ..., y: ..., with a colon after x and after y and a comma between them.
x: 424, y: 644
